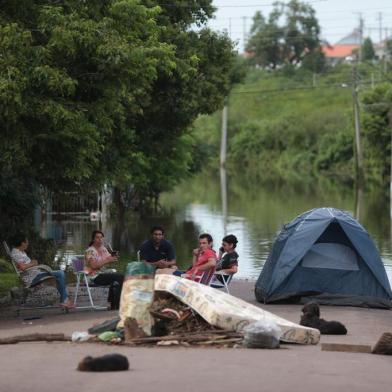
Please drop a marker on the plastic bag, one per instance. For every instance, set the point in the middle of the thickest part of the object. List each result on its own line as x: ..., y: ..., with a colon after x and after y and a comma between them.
x: 137, y: 294
x: 81, y: 336
x: 262, y: 334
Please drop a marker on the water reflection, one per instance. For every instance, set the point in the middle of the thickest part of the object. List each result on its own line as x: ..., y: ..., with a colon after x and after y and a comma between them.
x: 219, y: 205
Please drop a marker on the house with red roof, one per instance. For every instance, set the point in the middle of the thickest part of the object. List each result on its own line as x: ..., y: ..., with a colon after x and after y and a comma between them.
x: 344, y: 49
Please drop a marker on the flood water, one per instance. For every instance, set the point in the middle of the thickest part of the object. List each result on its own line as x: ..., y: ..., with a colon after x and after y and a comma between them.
x: 220, y: 204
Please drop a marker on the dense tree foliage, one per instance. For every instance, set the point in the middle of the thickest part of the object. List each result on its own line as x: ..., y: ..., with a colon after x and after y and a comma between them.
x: 281, y: 127
x: 103, y: 91
x: 377, y: 128
x: 290, y: 35
x: 368, y: 52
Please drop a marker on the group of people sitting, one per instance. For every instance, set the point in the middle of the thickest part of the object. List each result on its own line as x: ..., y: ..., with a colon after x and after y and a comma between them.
x: 156, y: 251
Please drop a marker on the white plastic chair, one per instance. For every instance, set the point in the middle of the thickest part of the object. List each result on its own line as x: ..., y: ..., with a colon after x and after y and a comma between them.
x: 217, y: 284
x: 83, y: 278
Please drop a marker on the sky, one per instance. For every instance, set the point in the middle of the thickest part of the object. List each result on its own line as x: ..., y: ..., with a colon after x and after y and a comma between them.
x: 337, y: 18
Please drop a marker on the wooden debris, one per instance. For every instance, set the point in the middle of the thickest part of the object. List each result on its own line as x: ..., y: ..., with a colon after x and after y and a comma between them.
x: 349, y: 348
x: 384, y: 344
x: 132, y: 330
x: 184, y: 326
x: 210, y: 337
x: 35, y: 337
x: 222, y: 341
x: 168, y: 343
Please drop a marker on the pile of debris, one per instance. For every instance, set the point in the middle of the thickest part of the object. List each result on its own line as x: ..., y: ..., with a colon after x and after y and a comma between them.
x: 177, y: 324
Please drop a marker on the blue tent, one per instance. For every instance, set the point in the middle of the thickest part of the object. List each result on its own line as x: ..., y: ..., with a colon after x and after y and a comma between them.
x: 324, y: 255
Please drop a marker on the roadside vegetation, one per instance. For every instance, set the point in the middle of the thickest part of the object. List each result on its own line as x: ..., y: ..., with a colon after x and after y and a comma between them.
x: 103, y: 92
x: 292, y: 117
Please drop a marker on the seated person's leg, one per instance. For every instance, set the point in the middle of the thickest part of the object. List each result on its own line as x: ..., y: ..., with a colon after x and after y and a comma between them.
x: 61, y: 286
x: 115, y: 280
x: 38, y: 278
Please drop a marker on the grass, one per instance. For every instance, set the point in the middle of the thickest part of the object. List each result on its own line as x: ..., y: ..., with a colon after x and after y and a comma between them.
x: 8, y: 278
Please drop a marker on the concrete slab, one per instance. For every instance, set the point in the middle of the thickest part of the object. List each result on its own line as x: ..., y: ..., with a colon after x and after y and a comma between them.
x: 51, y: 366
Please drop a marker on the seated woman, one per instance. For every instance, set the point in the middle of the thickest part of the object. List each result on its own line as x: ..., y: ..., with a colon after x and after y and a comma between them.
x: 97, y: 257
x: 204, y: 260
x: 228, y: 257
x: 32, y: 276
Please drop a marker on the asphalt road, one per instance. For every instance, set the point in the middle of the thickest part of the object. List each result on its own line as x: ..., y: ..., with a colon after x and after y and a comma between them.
x: 52, y: 366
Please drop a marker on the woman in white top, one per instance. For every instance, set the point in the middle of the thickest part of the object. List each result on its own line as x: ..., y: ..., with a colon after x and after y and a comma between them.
x: 32, y: 276
x: 97, y: 257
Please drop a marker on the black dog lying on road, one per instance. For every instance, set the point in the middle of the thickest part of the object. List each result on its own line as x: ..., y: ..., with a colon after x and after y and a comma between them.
x: 106, y: 363
x: 311, y: 318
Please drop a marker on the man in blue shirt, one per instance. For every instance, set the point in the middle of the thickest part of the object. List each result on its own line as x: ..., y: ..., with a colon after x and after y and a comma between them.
x: 158, y: 251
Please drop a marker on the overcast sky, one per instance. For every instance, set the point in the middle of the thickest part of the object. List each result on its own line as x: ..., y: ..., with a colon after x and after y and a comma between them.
x: 337, y: 18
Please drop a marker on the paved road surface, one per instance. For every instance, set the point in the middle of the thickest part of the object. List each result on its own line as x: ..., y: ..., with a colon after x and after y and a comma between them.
x: 51, y: 367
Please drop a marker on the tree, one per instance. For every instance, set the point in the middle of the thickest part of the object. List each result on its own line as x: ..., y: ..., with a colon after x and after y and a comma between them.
x: 197, y: 84
x: 377, y: 127
x: 103, y: 91
x: 291, y: 36
x: 368, y: 53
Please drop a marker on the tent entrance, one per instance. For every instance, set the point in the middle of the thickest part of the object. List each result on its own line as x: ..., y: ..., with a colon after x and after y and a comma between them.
x: 333, y: 250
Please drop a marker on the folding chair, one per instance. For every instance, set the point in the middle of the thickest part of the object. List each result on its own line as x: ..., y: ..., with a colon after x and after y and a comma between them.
x: 217, y: 284
x: 82, y: 278
x: 37, y: 292
x: 205, y: 277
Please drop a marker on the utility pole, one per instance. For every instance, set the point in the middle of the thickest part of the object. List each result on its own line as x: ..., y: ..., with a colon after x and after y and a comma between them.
x: 244, y: 32
x: 380, y: 26
x: 224, y: 134
x: 359, y: 156
x: 361, y: 27
x: 230, y: 27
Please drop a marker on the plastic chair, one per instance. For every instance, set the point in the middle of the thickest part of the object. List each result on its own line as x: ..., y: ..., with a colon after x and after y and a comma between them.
x: 226, y: 279
x: 83, y: 278
x: 204, y: 278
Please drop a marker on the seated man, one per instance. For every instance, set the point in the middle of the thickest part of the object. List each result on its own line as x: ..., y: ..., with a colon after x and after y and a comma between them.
x: 158, y: 251
x: 204, y: 260
x: 228, y: 257
x: 32, y: 276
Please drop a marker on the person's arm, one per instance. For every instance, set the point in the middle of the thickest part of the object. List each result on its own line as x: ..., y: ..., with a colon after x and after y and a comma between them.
x: 96, y: 264
x: 232, y: 270
x: 211, y: 262
x: 195, y: 255
x: 24, y: 266
x: 171, y: 256
x: 170, y: 263
x: 158, y: 264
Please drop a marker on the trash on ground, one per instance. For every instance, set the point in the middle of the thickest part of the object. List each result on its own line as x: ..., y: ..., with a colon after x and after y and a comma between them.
x: 136, y: 295
x: 228, y: 312
x: 108, y: 325
x: 81, y: 336
x: 185, y: 313
x: 262, y: 334
x: 111, y: 336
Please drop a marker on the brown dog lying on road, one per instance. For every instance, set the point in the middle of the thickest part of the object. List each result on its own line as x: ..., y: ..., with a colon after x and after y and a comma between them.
x: 311, y: 318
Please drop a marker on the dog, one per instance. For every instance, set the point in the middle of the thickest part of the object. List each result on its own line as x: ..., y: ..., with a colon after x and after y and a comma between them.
x: 384, y: 344
x: 106, y: 363
x: 311, y: 318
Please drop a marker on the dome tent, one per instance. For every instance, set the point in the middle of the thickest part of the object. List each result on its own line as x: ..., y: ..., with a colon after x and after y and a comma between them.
x: 324, y: 255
